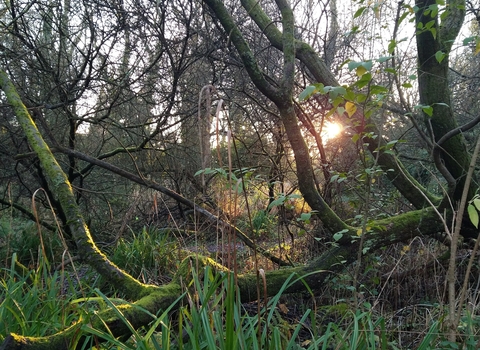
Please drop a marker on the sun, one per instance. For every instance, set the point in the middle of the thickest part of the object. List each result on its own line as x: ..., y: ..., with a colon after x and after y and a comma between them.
x: 331, y: 130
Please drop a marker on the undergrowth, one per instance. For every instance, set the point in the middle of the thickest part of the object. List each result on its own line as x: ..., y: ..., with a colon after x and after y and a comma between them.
x: 42, y: 299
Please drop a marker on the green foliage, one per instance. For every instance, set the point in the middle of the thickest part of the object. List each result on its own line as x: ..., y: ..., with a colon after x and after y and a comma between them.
x: 262, y: 223
x: 22, y: 238
x: 473, y: 208
x: 147, y: 255
x: 157, y: 336
x: 237, y: 178
x: 283, y: 199
x: 35, y: 303
x: 213, y: 318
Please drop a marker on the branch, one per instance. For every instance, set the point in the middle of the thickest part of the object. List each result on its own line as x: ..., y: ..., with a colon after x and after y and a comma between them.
x: 179, y: 198
x: 244, y: 51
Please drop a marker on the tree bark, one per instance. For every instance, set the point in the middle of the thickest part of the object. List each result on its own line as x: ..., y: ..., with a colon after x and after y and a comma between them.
x: 434, y: 47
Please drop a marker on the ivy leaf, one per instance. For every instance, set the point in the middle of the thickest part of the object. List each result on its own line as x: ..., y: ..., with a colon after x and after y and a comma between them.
x: 473, y: 215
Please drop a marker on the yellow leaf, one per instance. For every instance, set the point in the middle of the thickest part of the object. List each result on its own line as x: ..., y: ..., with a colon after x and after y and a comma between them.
x: 373, y: 181
x: 361, y: 70
x: 477, y: 47
x: 359, y: 232
x: 350, y: 108
x: 283, y: 308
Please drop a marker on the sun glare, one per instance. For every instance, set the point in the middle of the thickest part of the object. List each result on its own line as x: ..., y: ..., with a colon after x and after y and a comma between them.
x: 331, y: 130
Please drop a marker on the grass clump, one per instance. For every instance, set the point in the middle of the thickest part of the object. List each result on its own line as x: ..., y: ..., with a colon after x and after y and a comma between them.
x: 35, y: 302
x: 148, y: 256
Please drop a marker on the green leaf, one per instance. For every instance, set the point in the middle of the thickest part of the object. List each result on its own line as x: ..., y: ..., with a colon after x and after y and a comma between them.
x: 402, y: 17
x: 428, y: 110
x: 473, y: 215
x: 368, y: 65
x: 334, y: 178
x: 433, y: 10
x: 337, y: 90
x: 364, y: 80
x: 279, y: 201
x: 378, y: 89
x: 383, y: 59
x: 476, y: 202
x: 353, y: 65
x: 391, y: 46
x: 359, y: 12
x: 390, y: 70
x: 439, y: 56
x: 305, y: 217
x: 468, y: 40
x: 361, y: 98
x: 307, y: 93
x: 337, y: 236
x: 361, y: 70
x: 430, y: 24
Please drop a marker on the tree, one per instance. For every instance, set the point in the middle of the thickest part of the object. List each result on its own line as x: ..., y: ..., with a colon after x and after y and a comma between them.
x: 359, y: 105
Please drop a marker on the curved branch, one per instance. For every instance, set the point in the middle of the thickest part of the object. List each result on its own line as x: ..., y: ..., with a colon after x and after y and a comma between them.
x: 458, y: 130
x: 179, y: 198
x: 244, y: 51
x: 62, y: 189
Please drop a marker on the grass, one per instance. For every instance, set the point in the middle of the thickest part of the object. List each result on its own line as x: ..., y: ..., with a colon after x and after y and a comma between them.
x: 42, y: 301
x: 35, y: 303
x: 148, y: 256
